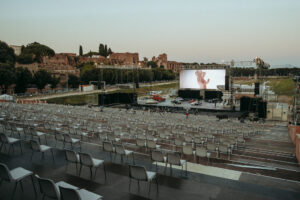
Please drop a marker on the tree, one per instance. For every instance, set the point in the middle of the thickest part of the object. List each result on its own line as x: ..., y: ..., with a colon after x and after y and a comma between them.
x: 38, y: 50
x: 53, y: 82
x: 104, y: 50
x: 152, y: 64
x: 41, y: 78
x: 23, y: 79
x: 26, y: 58
x: 73, y: 81
x: 80, y: 50
x: 109, y: 51
x: 7, y: 54
x: 101, y: 50
x: 7, y: 76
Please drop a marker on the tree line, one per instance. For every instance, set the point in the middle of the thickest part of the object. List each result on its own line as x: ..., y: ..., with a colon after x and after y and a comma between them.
x: 250, y: 71
x: 119, y: 76
x: 103, y: 50
x: 20, y: 77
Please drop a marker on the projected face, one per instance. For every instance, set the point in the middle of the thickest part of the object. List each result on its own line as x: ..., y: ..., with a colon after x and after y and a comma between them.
x: 201, y: 79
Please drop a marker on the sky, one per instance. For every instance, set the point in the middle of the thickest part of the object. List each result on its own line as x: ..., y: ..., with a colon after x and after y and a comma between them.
x: 187, y: 30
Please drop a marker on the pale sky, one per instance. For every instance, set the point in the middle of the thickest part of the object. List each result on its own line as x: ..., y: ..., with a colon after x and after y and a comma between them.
x: 187, y: 30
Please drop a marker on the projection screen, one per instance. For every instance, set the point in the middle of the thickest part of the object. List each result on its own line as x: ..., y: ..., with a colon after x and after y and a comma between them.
x: 202, y: 79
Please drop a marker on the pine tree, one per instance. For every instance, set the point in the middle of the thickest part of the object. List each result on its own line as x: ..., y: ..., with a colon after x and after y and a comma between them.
x: 109, y: 51
x: 80, y: 50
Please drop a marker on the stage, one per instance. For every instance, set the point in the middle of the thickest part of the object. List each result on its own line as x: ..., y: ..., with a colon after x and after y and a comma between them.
x: 203, y: 106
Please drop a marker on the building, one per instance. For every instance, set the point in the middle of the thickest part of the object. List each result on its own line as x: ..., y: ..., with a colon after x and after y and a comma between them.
x: 174, y: 66
x: 17, y: 49
x: 98, y: 60
x: 60, y: 59
x: 124, y: 58
x: 161, y: 60
x: 33, y: 67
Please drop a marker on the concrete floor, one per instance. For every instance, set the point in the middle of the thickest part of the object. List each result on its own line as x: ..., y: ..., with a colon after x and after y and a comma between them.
x: 176, y: 186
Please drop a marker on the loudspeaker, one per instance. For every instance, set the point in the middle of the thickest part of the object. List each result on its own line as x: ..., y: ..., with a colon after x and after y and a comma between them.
x: 256, y: 89
x: 227, y: 83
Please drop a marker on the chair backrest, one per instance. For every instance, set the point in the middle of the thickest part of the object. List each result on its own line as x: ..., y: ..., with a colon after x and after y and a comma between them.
x: 35, y: 146
x: 69, y: 194
x: 48, y: 188
x: 107, y: 146
x: 138, y: 172
x: 33, y: 131
x: 3, y: 138
x: 151, y: 144
x: 86, y: 159
x: 70, y: 155
x: 157, y: 156
x: 120, y: 149
x: 173, y: 158
x: 5, y: 173
x: 223, y: 148
x: 67, y: 138
x: 178, y: 142
x: 140, y: 142
x: 59, y: 137
x: 201, y: 151
x: 211, y: 147
x: 187, y: 150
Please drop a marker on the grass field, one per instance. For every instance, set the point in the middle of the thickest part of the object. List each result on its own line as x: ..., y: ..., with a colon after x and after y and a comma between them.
x: 92, y: 98
x: 283, y: 87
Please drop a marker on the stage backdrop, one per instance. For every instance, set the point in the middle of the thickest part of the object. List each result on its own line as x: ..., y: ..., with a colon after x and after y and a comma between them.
x: 202, y: 79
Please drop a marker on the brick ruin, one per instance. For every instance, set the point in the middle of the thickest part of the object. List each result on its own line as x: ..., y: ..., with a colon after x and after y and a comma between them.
x: 124, y: 58
x: 162, y: 60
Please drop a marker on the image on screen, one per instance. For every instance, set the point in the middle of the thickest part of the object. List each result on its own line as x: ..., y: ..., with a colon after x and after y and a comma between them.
x: 202, y: 79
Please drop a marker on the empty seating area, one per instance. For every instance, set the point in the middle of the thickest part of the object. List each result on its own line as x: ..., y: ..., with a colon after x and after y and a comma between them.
x: 99, y: 146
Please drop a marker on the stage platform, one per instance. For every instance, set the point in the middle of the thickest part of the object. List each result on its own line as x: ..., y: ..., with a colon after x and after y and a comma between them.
x: 205, y: 107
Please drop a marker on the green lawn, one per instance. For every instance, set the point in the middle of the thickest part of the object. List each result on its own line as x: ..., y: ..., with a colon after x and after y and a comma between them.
x: 92, y: 98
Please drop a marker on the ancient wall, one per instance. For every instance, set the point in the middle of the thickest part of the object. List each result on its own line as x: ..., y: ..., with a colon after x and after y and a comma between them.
x: 174, y: 66
x: 97, y: 60
x: 124, y: 58
x: 161, y: 60
x: 34, y: 67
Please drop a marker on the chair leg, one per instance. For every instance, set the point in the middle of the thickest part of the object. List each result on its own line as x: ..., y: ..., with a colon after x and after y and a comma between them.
x: 91, y: 173
x: 52, y: 154
x: 138, y: 185
x: 186, y: 169
x: 21, y: 148
x: 149, y: 187
x: 9, y: 149
x: 21, y: 185
x: 31, y: 155
x: 80, y: 170
x: 46, y: 139
x: 129, y: 184
x: 95, y: 173
x: 104, y: 169
x: 76, y: 168
x: 133, y: 158
x: 33, y: 185
x: 14, y: 190
x: 67, y: 165
x: 156, y: 180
